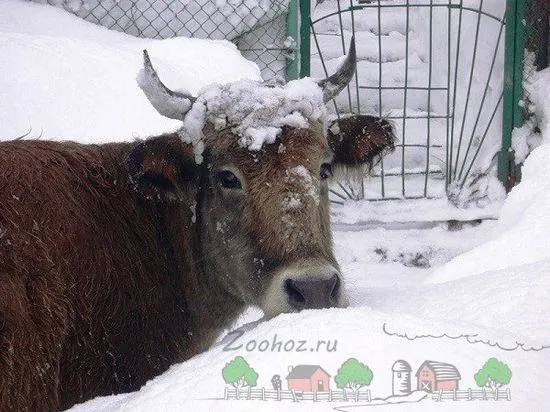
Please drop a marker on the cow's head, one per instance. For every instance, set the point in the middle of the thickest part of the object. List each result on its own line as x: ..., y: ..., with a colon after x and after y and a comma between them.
x: 257, y: 159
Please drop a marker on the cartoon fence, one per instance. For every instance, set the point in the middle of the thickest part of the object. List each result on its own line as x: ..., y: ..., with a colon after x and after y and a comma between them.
x: 296, y: 396
x: 473, y: 394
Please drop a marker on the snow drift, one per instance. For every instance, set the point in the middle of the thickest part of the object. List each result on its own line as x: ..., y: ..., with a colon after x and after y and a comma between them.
x: 64, y: 78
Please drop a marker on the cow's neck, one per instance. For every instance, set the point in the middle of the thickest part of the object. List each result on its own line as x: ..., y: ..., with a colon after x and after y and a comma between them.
x: 207, y: 307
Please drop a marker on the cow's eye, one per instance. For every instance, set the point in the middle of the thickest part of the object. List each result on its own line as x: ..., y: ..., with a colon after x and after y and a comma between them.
x: 326, y: 171
x: 229, y: 180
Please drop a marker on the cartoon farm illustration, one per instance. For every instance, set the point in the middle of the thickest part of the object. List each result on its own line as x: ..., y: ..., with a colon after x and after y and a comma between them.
x: 401, y: 378
x: 435, y: 380
x: 434, y: 376
x: 309, y: 378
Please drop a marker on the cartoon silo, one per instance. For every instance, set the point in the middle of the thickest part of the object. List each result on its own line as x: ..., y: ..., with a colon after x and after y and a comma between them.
x: 401, y: 378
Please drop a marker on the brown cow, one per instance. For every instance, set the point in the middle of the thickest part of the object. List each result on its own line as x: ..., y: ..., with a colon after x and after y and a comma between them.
x: 119, y: 260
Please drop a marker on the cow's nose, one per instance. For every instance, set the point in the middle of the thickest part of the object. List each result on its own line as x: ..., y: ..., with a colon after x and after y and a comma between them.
x: 313, y: 293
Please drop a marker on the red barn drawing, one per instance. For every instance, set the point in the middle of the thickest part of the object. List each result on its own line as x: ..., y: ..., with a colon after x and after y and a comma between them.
x: 308, y: 378
x: 433, y: 376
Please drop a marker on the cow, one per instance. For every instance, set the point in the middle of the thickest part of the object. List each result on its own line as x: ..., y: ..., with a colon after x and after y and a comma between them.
x: 118, y: 260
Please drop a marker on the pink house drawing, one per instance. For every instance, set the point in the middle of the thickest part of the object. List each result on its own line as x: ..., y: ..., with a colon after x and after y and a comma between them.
x: 308, y: 378
x: 433, y: 376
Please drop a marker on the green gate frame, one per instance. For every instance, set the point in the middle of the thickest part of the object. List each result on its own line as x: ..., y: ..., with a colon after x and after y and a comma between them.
x: 514, y: 43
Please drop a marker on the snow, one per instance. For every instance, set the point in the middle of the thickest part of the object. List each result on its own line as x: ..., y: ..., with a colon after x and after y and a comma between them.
x: 218, y: 19
x: 80, y: 79
x: 256, y: 112
x: 419, y: 288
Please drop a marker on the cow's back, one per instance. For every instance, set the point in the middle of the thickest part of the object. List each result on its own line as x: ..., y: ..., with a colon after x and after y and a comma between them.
x: 76, y: 252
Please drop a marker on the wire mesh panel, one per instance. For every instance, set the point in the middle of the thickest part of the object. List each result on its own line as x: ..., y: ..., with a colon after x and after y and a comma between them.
x: 435, y: 69
x: 257, y: 27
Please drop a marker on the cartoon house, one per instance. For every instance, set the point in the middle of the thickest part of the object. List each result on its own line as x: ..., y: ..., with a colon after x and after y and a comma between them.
x: 308, y: 378
x: 401, y: 378
x: 433, y: 376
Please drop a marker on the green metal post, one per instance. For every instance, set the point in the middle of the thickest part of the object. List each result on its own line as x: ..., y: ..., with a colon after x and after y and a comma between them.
x: 513, y: 76
x: 305, y: 40
x: 292, y: 30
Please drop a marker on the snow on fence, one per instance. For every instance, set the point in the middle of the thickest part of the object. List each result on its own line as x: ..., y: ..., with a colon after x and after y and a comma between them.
x: 471, y: 394
x: 296, y: 396
x: 258, y: 28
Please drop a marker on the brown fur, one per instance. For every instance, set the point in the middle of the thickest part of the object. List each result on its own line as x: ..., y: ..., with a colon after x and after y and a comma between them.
x: 119, y: 260
x: 361, y: 140
x: 91, y: 297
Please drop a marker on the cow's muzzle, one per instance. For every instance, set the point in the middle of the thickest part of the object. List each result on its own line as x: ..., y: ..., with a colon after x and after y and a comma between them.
x: 304, y: 286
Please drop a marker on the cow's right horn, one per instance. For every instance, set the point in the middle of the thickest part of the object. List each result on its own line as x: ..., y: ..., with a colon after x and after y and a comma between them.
x: 167, y: 102
x: 335, y: 84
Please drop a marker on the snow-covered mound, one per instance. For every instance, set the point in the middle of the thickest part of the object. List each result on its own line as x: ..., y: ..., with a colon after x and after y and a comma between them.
x: 64, y: 78
x: 463, y: 322
x: 524, y: 228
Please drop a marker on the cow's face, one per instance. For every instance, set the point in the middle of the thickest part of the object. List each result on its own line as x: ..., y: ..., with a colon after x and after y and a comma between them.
x: 266, y: 216
x: 262, y: 215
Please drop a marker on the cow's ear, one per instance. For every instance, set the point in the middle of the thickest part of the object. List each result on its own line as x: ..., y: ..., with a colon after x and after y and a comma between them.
x: 360, y: 140
x: 162, y: 167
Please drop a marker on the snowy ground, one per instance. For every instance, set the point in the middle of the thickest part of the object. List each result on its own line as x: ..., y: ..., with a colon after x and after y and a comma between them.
x: 419, y: 291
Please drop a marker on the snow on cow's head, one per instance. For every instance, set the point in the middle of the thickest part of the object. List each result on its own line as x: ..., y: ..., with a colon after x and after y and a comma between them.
x: 259, y: 157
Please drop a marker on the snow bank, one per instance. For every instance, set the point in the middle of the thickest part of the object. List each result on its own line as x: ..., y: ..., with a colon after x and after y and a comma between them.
x: 198, y: 385
x: 523, y: 230
x: 64, y: 78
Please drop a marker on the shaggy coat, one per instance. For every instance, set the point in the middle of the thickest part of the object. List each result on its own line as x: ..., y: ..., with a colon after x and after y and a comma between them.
x: 119, y: 260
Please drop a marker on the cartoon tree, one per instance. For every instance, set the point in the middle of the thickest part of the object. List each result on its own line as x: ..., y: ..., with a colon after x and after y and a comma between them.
x: 239, y: 374
x: 494, y: 374
x: 353, y: 375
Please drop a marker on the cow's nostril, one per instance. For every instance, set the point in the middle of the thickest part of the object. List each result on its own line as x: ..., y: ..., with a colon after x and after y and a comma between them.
x: 313, y: 293
x: 295, y: 297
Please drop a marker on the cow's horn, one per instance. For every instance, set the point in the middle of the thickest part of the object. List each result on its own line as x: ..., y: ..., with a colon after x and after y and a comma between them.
x: 335, y: 84
x: 167, y: 102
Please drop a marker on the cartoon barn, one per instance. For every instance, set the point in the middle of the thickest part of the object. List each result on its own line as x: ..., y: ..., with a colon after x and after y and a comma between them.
x: 308, y: 378
x: 433, y: 376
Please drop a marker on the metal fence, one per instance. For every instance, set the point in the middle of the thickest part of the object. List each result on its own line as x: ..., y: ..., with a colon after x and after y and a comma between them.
x: 449, y: 74
x: 435, y: 68
x: 264, y: 30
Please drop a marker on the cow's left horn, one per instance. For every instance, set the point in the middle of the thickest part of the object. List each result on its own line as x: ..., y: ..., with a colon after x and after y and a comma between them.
x: 167, y: 102
x: 335, y: 84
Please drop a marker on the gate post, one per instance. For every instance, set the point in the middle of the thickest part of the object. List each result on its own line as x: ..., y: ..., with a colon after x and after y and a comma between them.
x: 293, y: 30
x: 305, y: 40
x: 512, y: 93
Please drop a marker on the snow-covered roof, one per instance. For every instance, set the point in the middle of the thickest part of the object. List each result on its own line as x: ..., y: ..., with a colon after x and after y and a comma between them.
x: 401, y: 366
x: 443, y: 371
x: 304, y: 371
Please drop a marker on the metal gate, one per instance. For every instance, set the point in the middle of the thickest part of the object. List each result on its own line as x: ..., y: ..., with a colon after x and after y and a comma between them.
x: 436, y: 68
